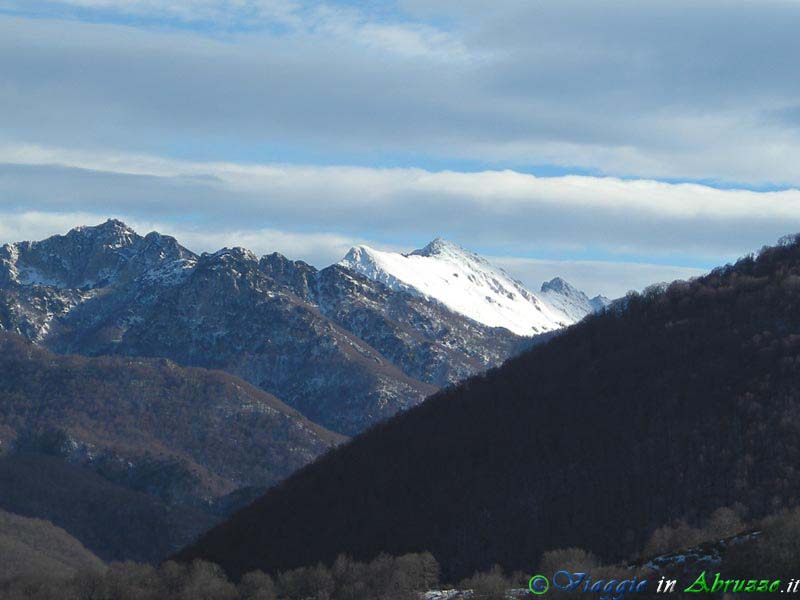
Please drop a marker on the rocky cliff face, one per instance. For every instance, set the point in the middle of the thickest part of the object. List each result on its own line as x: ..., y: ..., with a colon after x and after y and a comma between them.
x: 230, y: 315
x: 424, y: 339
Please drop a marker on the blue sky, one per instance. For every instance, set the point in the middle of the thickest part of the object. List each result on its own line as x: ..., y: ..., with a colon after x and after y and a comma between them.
x: 615, y: 144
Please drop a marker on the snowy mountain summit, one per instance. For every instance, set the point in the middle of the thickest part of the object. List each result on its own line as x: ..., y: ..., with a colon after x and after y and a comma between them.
x: 468, y: 284
x: 570, y: 300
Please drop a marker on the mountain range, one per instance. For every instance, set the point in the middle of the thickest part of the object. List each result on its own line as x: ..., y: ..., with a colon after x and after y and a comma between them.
x: 345, y: 346
x: 146, y: 391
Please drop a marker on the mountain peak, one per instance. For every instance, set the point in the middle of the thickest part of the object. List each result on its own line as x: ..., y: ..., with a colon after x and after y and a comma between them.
x: 157, y: 239
x: 600, y: 302
x: 440, y: 246
x: 110, y: 226
x: 278, y: 262
x: 558, y: 285
x: 570, y: 300
x: 367, y: 261
x: 113, y: 234
x: 237, y: 252
x: 356, y: 253
x: 115, y: 224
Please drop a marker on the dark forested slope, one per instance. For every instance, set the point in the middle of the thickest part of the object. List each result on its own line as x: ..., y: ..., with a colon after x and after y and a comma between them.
x: 671, y: 404
x: 114, y: 522
x: 34, y: 547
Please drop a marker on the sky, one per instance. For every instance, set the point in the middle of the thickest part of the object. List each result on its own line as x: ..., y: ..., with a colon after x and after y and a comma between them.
x: 615, y: 143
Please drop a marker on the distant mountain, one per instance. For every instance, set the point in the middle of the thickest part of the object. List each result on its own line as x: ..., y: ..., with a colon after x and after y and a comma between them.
x: 36, y: 547
x: 668, y: 406
x: 570, y: 300
x: 344, y: 349
x: 468, y: 284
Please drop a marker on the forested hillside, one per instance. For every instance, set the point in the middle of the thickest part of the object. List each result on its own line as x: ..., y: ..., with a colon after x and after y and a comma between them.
x: 113, y: 521
x: 135, y: 457
x: 33, y: 547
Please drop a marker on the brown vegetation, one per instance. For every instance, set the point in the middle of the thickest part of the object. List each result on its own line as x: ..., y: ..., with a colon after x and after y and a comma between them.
x: 33, y: 547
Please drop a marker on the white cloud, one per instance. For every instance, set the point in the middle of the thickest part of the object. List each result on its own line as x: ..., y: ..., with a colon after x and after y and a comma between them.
x: 329, y: 207
x: 36, y: 225
x: 346, y: 24
x: 89, y: 108
x: 281, y: 11
x: 501, y: 192
x: 635, y: 88
x: 320, y: 249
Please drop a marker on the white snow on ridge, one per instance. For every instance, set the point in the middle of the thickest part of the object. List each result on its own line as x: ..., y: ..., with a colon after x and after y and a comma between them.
x: 572, y: 302
x: 468, y: 284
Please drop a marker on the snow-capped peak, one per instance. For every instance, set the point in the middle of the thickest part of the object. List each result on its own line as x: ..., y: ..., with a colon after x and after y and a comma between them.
x: 113, y: 234
x: 90, y: 257
x: 237, y: 252
x: 569, y: 300
x: 441, y: 247
x: 559, y: 286
x: 468, y: 284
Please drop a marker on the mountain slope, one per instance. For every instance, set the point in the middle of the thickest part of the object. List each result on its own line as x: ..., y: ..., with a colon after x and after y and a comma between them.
x: 424, y: 339
x: 468, y: 284
x: 113, y: 521
x: 182, y: 434
x: 230, y: 315
x: 34, y: 546
x: 677, y: 403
